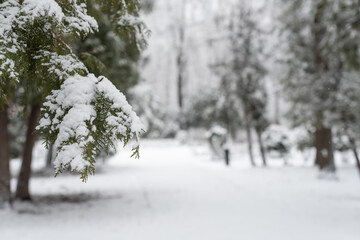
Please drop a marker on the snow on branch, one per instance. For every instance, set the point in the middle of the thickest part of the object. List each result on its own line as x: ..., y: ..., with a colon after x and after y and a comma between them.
x: 69, y: 14
x: 62, y: 66
x: 8, y: 44
x: 85, y: 115
x: 17, y: 21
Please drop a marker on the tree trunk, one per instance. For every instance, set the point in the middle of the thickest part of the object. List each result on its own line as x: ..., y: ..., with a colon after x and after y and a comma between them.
x: 261, y: 146
x: 5, y: 193
x: 180, y: 61
x: 249, y: 140
x: 277, y: 107
x: 180, y: 79
x: 180, y: 58
x: 22, y: 190
x: 324, y: 149
x: 49, y: 156
x: 353, y: 148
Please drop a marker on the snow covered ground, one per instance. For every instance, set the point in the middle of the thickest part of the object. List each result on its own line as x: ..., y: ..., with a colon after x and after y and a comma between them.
x: 176, y: 191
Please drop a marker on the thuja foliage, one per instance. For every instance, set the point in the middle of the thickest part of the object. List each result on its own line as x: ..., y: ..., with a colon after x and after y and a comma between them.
x: 81, y: 113
x: 109, y: 52
x: 85, y: 115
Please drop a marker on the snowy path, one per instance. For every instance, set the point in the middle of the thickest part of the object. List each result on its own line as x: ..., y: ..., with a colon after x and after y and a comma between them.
x: 172, y: 193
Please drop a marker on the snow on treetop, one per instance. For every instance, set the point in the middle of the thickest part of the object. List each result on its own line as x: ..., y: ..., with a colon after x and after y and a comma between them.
x: 37, y: 8
x: 71, y: 15
x: 16, y: 25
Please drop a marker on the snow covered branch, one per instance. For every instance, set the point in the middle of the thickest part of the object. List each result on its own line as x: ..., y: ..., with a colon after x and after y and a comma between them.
x: 85, y: 115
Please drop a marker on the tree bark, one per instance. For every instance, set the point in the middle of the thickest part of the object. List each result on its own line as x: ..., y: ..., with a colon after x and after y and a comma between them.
x: 354, y: 150
x: 261, y: 146
x: 180, y: 79
x: 5, y: 193
x: 22, y: 190
x: 49, y: 156
x: 324, y: 149
x: 249, y: 140
x: 180, y: 58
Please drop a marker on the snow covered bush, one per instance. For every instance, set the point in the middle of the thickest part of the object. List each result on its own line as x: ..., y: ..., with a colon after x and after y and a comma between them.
x: 341, y: 143
x: 277, y: 139
x: 302, y: 138
x: 216, y: 136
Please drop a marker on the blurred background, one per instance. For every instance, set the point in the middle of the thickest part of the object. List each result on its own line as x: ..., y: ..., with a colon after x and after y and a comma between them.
x: 252, y: 111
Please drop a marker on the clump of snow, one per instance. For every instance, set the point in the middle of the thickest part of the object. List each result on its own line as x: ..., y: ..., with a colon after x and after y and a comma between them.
x: 62, y: 66
x: 216, y: 130
x: 33, y: 9
x: 81, y: 21
x: 119, y: 101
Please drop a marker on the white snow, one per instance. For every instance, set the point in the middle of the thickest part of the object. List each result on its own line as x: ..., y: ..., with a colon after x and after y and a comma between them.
x: 63, y: 66
x: 177, y: 192
x: 39, y: 8
x: 75, y: 20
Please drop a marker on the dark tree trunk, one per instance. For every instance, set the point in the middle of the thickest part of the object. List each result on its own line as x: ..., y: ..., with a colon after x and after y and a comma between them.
x: 324, y: 149
x: 353, y: 148
x: 180, y: 79
x: 22, y: 190
x: 180, y: 60
x: 249, y: 139
x: 49, y: 156
x: 261, y: 146
x: 323, y: 136
x: 277, y: 107
x: 5, y: 193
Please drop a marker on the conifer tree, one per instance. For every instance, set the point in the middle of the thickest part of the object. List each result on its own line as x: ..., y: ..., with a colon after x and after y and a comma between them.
x: 82, y: 113
x: 248, y: 73
x: 111, y: 53
x: 347, y: 30
x: 322, y: 52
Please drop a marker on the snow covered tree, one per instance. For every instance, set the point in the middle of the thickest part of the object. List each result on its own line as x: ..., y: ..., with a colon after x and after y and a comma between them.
x: 322, y: 50
x: 82, y: 113
x: 349, y: 113
x: 109, y: 52
x: 347, y: 20
x: 216, y: 107
x: 247, y: 73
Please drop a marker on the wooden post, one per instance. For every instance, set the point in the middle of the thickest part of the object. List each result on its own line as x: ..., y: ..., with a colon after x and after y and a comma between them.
x: 227, y: 157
